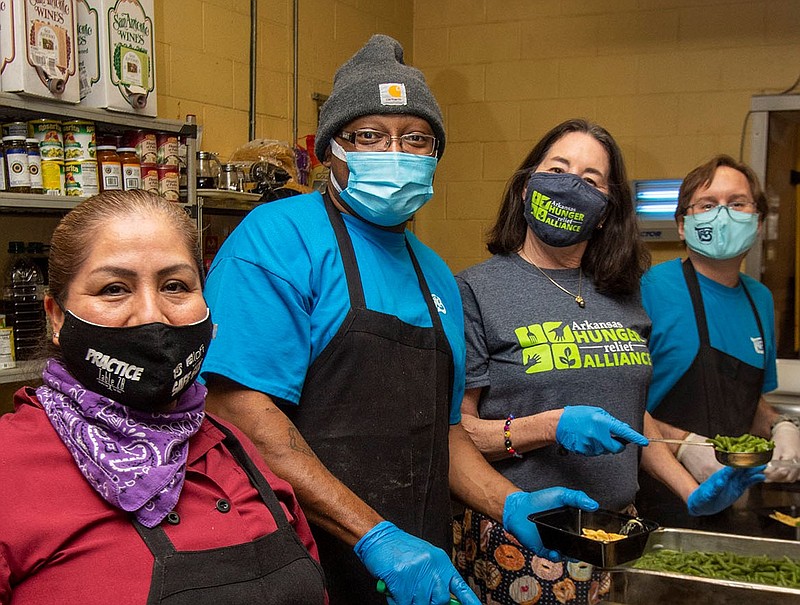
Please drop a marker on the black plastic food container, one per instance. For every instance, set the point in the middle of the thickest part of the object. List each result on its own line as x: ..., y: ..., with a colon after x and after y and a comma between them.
x: 560, y: 529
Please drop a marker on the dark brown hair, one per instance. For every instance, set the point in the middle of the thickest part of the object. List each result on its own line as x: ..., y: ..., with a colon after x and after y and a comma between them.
x: 704, y: 174
x: 615, y: 257
x: 73, y: 237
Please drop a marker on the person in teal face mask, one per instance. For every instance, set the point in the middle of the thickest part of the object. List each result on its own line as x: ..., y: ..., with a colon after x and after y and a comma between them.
x: 340, y: 350
x: 713, y: 338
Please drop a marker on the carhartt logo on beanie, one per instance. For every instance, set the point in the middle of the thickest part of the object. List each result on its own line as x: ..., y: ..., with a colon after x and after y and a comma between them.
x: 375, y: 80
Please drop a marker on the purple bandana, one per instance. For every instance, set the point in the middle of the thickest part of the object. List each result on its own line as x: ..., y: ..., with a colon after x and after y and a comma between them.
x: 135, y: 460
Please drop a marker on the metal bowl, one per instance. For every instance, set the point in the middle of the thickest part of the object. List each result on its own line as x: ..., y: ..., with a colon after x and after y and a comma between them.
x: 743, y: 459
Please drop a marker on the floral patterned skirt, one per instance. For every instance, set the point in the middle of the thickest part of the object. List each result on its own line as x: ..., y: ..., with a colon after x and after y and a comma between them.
x: 503, y: 572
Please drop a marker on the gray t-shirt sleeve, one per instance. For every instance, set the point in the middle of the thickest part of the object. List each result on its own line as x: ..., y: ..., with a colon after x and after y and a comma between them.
x: 477, y: 362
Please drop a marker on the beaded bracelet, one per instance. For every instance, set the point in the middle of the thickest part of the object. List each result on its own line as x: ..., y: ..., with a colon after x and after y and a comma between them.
x: 507, y: 434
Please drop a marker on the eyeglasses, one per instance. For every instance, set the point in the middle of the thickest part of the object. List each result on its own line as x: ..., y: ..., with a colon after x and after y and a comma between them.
x: 366, y: 139
x: 709, y: 205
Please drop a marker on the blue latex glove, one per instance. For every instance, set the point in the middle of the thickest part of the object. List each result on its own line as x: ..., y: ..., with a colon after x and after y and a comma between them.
x: 722, y: 489
x: 414, y: 570
x: 521, y: 504
x: 590, y: 431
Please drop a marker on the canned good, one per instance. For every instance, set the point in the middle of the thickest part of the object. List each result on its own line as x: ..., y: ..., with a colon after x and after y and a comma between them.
x: 53, y: 177
x: 167, y: 149
x: 168, y: 185
x: 50, y: 137
x: 145, y: 144
x: 19, y: 179
x: 80, y: 178
x: 79, y: 140
x: 34, y: 165
x: 149, y: 175
x: 15, y: 129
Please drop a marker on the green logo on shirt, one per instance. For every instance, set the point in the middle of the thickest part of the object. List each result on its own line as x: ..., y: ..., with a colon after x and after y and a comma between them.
x: 557, y: 345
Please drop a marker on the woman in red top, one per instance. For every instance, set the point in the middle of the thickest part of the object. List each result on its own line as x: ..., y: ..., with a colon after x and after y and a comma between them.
x: 115, y: 486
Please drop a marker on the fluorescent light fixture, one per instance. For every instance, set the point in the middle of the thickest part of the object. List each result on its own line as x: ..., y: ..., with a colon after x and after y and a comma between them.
x: 656, y: 199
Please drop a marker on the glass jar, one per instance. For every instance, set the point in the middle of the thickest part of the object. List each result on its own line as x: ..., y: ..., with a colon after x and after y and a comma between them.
x: 131, y: 168
x: 208, y: 170
x: 19, y: 179
x: 109, y: 165
x: 34, y: 165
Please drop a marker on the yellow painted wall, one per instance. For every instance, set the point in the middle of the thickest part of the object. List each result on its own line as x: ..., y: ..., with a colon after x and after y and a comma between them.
x: 671, y: 80
x: 203, y: 55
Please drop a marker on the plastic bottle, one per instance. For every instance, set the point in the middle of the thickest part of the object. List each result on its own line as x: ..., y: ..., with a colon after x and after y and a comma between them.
x: 26, y: 298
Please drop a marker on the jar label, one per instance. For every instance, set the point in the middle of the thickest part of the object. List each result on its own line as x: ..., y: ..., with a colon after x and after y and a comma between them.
x: 35, y: 170
x: 131, y: 176
x: 112, y: 176
x: 17, y: 162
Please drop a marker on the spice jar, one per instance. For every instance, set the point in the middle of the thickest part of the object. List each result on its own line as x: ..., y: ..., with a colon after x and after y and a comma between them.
x: 109, y: 165
x: 19, y: 179
x: 34, y: 165
x: 131, y: 168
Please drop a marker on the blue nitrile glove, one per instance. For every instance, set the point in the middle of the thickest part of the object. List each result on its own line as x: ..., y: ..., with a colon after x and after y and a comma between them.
x: 722, y: 489
x: 521, y: 504
x: 590, y: 431
x: 413, y: 570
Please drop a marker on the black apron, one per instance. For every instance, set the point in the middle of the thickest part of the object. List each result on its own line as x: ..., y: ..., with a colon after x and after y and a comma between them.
x: 718, y: 394
x: 275, y: 569
x: 375, y: 409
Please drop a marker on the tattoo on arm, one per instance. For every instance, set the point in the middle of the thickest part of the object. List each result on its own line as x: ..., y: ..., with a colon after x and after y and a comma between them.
x: 298, y: 444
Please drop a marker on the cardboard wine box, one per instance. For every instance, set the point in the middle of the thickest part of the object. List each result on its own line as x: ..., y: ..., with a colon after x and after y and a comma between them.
x: 116, y: 55
x: 38, y: 47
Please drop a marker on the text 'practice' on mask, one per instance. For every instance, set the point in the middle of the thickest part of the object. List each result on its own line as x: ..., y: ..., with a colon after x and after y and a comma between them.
x: 562, y: 209
x: 144, y: 367
x: 385, y: 188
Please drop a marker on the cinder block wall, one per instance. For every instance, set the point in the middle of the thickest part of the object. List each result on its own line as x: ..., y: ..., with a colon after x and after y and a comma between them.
x: 670, y: 79
x: 203, y: 56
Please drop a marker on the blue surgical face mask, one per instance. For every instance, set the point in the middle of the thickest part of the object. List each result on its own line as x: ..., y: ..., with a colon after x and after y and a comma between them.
x: 385, y: 188
x: 722, y: 233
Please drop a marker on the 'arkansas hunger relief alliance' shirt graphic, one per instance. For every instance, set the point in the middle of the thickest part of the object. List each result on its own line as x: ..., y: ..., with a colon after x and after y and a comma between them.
x: 559, y: 345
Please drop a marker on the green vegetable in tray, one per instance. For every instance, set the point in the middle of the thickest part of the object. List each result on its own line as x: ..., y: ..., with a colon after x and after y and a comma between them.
x: 743, y: 444
x: 759, y: 569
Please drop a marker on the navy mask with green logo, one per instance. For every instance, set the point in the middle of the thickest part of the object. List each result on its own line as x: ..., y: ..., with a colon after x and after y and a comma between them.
x: 562, y: 209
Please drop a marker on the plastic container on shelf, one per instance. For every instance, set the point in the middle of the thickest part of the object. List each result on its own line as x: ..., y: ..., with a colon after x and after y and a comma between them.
x: 24, y: 293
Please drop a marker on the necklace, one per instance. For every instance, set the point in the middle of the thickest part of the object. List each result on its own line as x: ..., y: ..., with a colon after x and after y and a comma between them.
x: 579, y: 300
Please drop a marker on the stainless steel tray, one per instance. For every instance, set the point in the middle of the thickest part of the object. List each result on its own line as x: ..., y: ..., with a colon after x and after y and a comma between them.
x: 631, y: 585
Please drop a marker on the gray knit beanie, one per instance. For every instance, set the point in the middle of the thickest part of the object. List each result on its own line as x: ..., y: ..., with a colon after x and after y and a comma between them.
x: 376, y: 81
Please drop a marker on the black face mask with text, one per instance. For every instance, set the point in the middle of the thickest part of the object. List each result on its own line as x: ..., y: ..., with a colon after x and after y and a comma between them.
x: 144, y: 367
x: 562, y: 209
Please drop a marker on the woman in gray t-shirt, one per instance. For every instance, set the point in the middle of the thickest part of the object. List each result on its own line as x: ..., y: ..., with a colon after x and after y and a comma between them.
x: 558, y: 364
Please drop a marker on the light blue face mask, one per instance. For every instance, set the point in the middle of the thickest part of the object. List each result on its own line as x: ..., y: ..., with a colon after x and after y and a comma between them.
x: 385, y: 188
x: 721, y: 235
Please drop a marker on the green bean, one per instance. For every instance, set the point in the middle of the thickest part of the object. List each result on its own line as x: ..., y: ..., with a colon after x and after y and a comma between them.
x: 743, y: 443
x: 758, y: 569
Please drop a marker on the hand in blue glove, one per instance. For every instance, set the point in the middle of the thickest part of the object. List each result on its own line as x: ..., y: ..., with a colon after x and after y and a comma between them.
x: 414, y: 570
x: 590, y: 431
x: 521, y: 504
x: 722, y: 489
